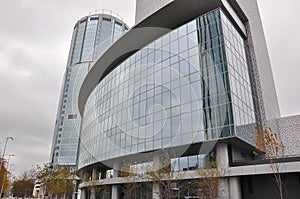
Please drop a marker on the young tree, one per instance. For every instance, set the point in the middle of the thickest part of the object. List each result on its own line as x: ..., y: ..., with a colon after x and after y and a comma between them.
x: 158, y: 176
x: 61, y: 182
x: 57, y: 181
x: 269, y: 146
x: 4, y: 176
x: 163, y: 176
x: 132, y: 178
x: 22, y: 188
x: 23, y: 185
x: 208, y: 185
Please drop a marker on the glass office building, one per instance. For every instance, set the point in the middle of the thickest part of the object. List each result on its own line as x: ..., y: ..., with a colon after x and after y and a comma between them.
x: 181, y: 90
x: 182, y: 81
x: 92, y: 35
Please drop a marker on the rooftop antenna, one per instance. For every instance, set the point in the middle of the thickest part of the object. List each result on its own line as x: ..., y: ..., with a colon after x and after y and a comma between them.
x: 105, y: 11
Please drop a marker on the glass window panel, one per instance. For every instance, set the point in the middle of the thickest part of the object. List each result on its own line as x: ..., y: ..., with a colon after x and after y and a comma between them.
x: 183, y: 162
x: 193, y: 162
x: 174, y: 35
x: 195, y: 62
x: 184, y: 68
x: 193, y: 39
x: 192, y: 26
x: 185, y: 95
x: 183, y: 44
x: 174, y: 47
x: 186, y: 123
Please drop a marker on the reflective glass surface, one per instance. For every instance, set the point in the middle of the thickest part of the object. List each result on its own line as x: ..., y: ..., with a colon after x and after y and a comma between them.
x: 241, y: 93
x: 66, y: 136
x: 76, y: 54
x: 87, y: 40
x: 178, y: 90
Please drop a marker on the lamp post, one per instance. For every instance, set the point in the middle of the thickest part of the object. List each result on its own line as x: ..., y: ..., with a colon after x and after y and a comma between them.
x: 2, y: 160
x: 189, y: 183
x: 4, y: 149
x: 7, y: 138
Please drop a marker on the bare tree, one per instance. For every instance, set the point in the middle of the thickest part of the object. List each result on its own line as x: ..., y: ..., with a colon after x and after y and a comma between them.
x: 269, y: 146
x: 209, y: 180
x: 163, y: 176
x: 160, y: 178
x: 132, y: 177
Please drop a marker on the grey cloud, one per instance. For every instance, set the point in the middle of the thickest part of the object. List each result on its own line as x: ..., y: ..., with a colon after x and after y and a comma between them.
x: 34, y: 42
x: 280, y: 20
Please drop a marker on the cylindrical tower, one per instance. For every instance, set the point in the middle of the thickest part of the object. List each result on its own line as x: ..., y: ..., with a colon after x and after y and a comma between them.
x: 92, y: 35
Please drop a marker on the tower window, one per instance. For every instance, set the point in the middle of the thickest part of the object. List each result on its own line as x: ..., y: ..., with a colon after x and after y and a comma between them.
x: 118, y: 23
x: 106, y: 19
x: 73, y: 116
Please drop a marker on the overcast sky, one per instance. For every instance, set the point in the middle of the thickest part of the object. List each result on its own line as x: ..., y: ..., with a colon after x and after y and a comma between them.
x: 34, y: 43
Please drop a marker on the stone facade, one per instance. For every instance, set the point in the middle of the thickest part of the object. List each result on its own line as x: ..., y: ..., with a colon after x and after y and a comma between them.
x: 289, y: 128
x: 145, y: 8
x: 263, y: 76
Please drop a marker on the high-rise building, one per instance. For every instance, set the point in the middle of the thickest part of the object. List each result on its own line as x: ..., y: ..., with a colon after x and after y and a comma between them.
x: 92, y: 35
x: 187, y: 84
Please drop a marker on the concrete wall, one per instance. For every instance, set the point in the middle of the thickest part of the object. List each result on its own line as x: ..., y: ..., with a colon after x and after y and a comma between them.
x: 144, y: 8
x: 264, y: 186
x: 289, y: 128
x: 260, y: 59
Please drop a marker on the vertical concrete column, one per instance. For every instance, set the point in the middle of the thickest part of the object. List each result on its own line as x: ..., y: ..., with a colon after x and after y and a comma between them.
x: 116, y: 169
x: 94, y: 178
x: 115, y: 188
x: 83, y: 194
x: 222, y: 155
x: 93, y: 192
x: 235, y: 188
x: 156, y: 166
x: 85, y: 177
x: 95, y: 174
x: 223, y: 164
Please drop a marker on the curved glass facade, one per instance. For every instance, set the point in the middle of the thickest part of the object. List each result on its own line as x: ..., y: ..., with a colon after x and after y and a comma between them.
x: 91, y: 37
x: 189, y: 86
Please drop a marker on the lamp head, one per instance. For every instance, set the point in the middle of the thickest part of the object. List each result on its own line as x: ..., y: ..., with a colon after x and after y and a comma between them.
x: 11, y: 138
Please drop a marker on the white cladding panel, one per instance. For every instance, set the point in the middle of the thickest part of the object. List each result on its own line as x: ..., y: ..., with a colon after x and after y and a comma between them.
x: 261, y: 60
x: 145, y: 8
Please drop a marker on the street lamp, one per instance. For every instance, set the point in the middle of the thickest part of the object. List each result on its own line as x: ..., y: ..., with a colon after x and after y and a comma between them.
x: 7, y: 138
x: 189, y: 183
x: 2, y: 158
x: 4, y: 149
